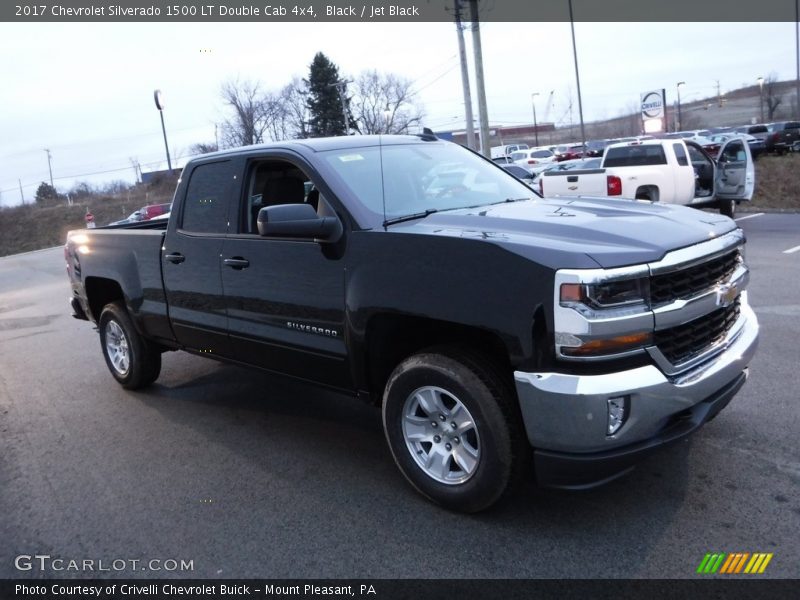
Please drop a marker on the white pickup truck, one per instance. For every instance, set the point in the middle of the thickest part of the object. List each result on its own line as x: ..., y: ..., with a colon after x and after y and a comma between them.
x: 669, y: 171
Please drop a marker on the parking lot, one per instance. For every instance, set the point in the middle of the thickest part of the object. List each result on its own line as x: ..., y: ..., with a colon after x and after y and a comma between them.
x: 249, y: 475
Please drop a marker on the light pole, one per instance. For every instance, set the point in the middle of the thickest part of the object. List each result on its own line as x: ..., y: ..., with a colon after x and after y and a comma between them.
x: 159, y: 99
x: 760, y: 81
x: 535, y: 128
x: 678, y: 88
x: 577, y: 77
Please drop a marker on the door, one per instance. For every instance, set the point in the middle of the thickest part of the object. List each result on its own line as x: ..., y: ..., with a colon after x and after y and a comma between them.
x: 191, y: 260
x: 284, y: 298
x: 735, y: 173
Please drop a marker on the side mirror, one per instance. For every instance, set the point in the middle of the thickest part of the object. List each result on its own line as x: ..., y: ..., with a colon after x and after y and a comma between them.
x: 298, y: 221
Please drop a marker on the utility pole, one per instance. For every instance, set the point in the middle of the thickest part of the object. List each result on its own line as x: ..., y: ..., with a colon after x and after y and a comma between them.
x: 577, y: 76
x: 678, y: 89
x: 797, y: 58
x: 339, y: 85
x: 535, y: 129
x: 462, y: 53
x: 50, y: 166
x: 483, y: 114
x: 21, y: 195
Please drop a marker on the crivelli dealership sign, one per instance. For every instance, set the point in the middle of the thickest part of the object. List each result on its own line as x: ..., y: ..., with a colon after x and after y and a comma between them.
x: 654, y: 111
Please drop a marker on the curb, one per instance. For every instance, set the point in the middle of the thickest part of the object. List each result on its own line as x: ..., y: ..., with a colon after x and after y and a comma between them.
x: 30, y: 252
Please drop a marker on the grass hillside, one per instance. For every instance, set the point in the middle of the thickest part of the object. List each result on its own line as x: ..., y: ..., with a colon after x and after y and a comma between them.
x: 33, y: 227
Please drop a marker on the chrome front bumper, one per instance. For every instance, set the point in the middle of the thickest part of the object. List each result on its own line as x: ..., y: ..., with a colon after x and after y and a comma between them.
x: 568, y: 413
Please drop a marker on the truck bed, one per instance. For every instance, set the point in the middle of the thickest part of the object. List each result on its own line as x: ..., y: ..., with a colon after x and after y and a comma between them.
x: 129, y: 255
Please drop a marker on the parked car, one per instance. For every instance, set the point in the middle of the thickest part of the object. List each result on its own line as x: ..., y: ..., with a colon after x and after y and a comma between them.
x: 520, y: 173
x: 498, y: 333
x: 568, y: 165
x: 568, y: 152
x: 503, y: 160
x: 532, y: 156
x: 134, y: 217
x: 694, y: 134
x: 710, y: 146
x: 506, y: 150
x: 596, y: 147
x: 782, y: 136
x: 757, y: 146
x: 760, y: 131
x: 154, y: 210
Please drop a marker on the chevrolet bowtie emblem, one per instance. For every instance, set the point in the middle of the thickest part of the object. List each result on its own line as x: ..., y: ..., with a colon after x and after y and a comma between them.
x: 726, y: 294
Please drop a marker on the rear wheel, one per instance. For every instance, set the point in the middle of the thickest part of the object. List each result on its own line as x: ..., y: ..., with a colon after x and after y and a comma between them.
x: 453, y: 428
x: 727, y: 208
x: 133, y: 361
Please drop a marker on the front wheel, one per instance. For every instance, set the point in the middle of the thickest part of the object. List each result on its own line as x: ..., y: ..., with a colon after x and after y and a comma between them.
x: 727, y: 208
x: 133, y: 361
x: 454, y: 429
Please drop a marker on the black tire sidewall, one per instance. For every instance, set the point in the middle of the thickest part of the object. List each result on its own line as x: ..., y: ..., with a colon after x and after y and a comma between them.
x: 144, y: 363
x: 728, y: 208
x: 493, y: 473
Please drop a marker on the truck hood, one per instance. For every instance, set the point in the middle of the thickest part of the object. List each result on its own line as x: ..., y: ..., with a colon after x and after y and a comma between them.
x: 578, y: 232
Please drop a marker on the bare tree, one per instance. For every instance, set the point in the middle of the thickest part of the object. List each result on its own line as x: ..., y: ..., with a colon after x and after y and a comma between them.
x: 384, y: 104
x: 295, y: 110
x: 249, y: 121
x: 202, y: 148
x: 771, y: 96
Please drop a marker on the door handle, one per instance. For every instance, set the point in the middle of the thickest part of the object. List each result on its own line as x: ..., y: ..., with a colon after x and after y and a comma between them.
x: 175, y: 258
x: 237, y: 262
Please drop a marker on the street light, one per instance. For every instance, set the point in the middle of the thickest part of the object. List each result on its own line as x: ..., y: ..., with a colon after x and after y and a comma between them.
x: 159, y: 99
x: 678, y: 88
x: 760, y: 81
x: 535, y: 128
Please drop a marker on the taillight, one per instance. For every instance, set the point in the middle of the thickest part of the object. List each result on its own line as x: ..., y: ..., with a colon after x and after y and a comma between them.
x: 613, y: 185
x: 532, y: 162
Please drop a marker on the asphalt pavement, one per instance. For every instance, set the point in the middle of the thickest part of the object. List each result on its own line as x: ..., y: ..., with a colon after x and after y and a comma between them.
x: 250, y: 475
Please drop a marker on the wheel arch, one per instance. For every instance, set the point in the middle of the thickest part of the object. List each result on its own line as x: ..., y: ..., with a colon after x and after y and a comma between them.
x: 390, y: 338
x: 101, y: 291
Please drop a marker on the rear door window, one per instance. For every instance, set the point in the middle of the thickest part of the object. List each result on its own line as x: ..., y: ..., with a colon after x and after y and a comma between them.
x: 680, y: 155
x: 205, y: 209
x: 634, y: 156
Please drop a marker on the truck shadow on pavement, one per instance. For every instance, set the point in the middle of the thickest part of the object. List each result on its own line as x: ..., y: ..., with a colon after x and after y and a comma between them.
x: 304, y: 450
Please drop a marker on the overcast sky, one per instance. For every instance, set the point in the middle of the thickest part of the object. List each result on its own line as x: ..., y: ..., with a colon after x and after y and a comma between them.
x: 85, y: 90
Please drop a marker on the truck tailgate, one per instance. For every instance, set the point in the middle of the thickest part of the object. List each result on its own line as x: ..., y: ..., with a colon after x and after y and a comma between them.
x: 577, y: 182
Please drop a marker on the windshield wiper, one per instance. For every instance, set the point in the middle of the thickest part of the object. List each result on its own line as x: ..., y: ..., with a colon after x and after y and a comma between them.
x: 410, y: 217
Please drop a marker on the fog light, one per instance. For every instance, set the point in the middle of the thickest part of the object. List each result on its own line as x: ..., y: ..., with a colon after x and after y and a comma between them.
x: 617, y: 413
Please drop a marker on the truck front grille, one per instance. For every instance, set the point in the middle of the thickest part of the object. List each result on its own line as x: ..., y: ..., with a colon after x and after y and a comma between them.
x: 689, y: 282
x: 684, y: 342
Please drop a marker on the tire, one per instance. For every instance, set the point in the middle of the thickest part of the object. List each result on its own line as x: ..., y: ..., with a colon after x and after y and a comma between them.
x: 133, y: 361
x: 467, y: 468
x: 727, y: 208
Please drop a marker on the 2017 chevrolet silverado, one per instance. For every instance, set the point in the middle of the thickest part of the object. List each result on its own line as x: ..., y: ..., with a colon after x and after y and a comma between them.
x: 670, y: 171
x: 496, y: 330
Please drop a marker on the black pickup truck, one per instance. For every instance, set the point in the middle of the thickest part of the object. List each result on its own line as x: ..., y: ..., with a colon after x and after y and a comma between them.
x: 497, y: 331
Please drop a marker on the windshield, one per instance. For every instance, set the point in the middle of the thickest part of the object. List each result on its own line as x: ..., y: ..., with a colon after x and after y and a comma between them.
x: 421, y: 177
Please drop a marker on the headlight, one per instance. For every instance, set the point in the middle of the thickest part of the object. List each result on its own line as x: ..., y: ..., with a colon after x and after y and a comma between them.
x: 601, y: 315
x: 609, y: 294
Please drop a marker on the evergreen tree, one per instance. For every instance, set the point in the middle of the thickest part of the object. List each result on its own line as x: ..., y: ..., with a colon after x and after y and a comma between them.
x: 324, y: 104
x: 46, y: 192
